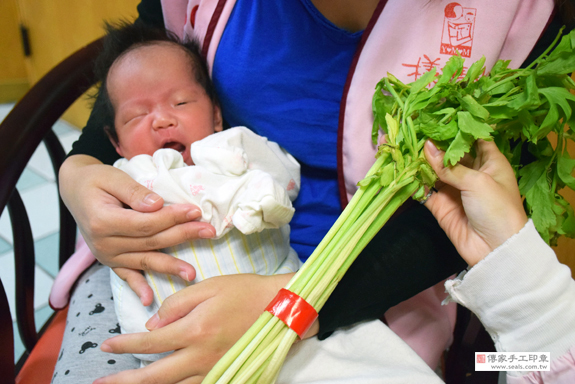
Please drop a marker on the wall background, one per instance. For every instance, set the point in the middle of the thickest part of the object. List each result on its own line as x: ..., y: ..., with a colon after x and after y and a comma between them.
x: 56, y: 29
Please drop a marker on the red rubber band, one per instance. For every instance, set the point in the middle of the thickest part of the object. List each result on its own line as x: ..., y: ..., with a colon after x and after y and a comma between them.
x: 293, y: 310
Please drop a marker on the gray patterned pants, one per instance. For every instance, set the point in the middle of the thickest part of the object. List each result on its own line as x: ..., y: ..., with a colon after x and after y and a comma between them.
x: 91, y: 320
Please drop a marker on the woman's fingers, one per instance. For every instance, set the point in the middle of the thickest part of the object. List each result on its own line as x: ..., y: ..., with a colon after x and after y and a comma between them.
x: 192, y: 380
x: 155, y: 261
x: 97, y: 194
x: 456, y: 176
x: 175, y: 368
x: 179, y: 305
x: 480, y: 206
x: 493, y: 162
x: 159, y: 341
x: 208, y: 318
x: 120, y: 185
x: 139, y: 224
x: 137, y: 283
x: 167, y: 237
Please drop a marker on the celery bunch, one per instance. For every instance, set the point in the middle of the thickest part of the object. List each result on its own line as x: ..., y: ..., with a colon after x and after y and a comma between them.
x: 510, y: 106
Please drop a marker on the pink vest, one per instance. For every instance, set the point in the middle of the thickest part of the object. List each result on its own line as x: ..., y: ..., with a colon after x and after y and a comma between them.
x: 405, y: 38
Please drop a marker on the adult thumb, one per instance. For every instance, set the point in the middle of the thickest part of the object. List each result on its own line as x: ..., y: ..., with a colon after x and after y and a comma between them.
x: 132, y: 193
x: 454, y: 175
x: 434, y: 156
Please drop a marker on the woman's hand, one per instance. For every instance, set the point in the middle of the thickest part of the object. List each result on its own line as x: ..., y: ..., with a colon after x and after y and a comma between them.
x: 200, y: 322
x: 122, y: 238
x: 479, y: 207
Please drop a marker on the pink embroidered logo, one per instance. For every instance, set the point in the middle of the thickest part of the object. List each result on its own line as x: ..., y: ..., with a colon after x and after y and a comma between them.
x: 291, y: 185
x: 458, y: 26
x: 195, y: 189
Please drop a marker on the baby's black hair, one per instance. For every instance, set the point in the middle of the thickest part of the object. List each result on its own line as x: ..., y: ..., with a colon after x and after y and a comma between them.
x: 123, y: 37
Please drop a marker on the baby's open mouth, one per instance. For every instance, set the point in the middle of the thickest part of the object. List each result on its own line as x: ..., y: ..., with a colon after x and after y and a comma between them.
x: 175, y: 145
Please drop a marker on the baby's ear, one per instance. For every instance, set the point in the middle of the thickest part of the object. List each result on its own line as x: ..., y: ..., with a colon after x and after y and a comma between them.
x: 218, y: 121
x: 113, y: 136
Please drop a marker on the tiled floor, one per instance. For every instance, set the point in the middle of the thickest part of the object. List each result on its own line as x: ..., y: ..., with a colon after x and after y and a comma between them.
x: 37, y: 187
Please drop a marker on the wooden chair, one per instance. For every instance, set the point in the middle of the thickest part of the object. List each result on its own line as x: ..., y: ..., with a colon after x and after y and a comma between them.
x: 29, y: 123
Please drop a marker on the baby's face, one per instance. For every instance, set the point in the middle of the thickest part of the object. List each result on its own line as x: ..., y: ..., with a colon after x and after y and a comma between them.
x: 158, y: 103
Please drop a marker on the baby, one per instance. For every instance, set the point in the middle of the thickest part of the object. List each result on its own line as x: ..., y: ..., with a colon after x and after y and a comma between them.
x: 167, y: 126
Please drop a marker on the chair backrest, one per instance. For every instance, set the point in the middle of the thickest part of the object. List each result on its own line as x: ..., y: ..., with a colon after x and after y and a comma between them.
x: 24, y: 128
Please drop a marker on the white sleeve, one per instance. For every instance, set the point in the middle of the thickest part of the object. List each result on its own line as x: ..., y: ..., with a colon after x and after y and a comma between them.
x: 237, y: 150
x: 523, y: 296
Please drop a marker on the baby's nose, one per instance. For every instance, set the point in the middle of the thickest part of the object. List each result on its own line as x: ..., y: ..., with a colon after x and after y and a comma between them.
x: 163, y: 119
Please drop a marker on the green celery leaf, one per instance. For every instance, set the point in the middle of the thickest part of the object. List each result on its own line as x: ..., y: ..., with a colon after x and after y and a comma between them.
x: 474, y: 71
x: 381, y: 104
x: 516, y: 156
x: 395, y: 81
x: 565, y: 167
x: 558, y: 61
x: 445, y: 111
x: 453, y: 68
x: 442, y: 145
x: 529, y: 97
x: 500, y: 112
x: 392, y: 129
x: 559, y: 96
x: 367, y: 181
x: 559, y: 64
x: 421, y: 101
x: 503, y: 145
x: 458, y: 148
x: 529, y: 175
x: 499, y: 66
x: 428, y: 175
x: 540, y: 201
x: 430, y: 126
x: 542, y: 148
x: 564, y: 64
x: 470, y: 125
x: 387, y: 174
x: 502, y: 89
x: 423, y: 81
x: 420, y: 194
x: 500, y: 101
x: 472, y: 106
x: 550, y: 121
x: 568, y: 225
x: 530, y: 129
x: 374, y: 132
x: 566, y: 81
x: 510, y: 130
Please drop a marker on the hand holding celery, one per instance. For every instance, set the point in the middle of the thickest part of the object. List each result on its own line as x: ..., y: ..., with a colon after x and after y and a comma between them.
x: 509, y: 106
x: 479, y: 206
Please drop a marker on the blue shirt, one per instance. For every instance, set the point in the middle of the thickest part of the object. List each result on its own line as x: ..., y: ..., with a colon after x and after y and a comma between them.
x: 280, y: 69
